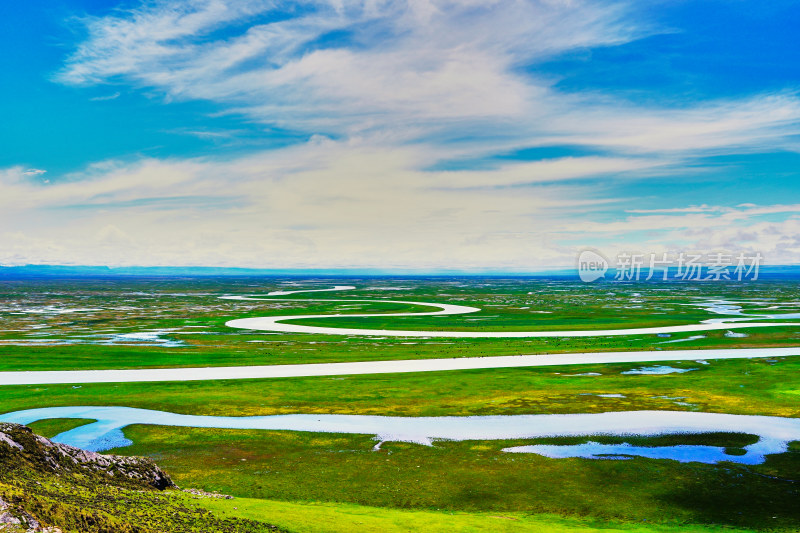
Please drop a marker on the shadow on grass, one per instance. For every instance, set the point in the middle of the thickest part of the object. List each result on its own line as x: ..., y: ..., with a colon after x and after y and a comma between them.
x: 764, y: 497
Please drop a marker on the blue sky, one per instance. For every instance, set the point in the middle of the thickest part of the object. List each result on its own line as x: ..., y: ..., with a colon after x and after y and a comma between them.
x: 416, y: 134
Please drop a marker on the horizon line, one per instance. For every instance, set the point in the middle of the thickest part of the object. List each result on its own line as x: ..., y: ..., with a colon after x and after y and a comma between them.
x: 33, y: 270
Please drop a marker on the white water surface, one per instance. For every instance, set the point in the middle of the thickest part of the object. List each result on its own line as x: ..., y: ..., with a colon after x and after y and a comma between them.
x: 45, y: 377
x: 279, y: 323
x: 334, y: 288
x: 774, y: 432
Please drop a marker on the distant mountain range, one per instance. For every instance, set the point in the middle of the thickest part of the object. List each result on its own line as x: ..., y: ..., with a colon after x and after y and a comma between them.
x: 74, y: 271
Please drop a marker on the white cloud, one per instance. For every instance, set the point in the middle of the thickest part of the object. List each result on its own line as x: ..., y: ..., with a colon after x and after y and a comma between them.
x: 410, y: 69
x: 407, y: 85
x: 33, y: 172
x: 764, y: 121
x: 706, y: 229
x: 548, y: 170
x: 106, y: 97
x: 353, y: 204
x: 402, y: 62
x: 323, y: 203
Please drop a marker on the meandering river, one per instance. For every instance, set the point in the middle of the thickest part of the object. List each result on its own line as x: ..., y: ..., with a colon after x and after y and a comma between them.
x: 774, y: 432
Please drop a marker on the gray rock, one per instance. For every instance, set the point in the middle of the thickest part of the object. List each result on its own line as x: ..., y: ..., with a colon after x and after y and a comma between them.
x: 56, y: 457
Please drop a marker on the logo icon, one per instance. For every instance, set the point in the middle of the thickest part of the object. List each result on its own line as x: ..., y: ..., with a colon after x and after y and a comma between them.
x: 591, y: 266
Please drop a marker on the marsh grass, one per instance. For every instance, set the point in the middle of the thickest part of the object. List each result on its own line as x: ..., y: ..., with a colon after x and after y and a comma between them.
x: 51, y: 427
x: 476, y: 476
x: 467, y: 485
x: 193, y: 309
x: 742, y: 386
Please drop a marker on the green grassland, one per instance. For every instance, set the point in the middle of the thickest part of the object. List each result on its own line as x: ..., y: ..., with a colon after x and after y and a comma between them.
x: 472, y: 476
x: 475, y: 476
x: 736, y: 386
x: 299, y: 349
x: 345, y: 518
x: 51, y: 427
x: 333, y: 482
x: 189, y: 314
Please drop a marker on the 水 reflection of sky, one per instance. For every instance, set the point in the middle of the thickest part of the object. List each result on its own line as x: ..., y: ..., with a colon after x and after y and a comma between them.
x: 682, y: 452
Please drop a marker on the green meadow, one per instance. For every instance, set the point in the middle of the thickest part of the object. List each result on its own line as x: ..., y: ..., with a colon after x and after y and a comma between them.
x: 336, y: 482
x: 42, y: 332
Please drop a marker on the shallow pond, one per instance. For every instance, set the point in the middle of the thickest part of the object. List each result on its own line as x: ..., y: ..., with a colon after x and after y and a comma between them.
x: 683, y: 453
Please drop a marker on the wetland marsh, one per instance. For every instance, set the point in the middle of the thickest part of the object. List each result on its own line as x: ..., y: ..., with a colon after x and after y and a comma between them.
x: 204, y: 431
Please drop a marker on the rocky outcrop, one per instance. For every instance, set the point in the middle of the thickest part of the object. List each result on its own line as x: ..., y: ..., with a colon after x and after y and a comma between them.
x: 47, y: 487
x: 22, y: 453
x: 14, y: 520
x: 18, y: 444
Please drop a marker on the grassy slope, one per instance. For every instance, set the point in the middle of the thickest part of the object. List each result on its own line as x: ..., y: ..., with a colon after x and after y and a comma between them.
x: 79, y: 497
x: 345, y: 518
x: 78, y: 505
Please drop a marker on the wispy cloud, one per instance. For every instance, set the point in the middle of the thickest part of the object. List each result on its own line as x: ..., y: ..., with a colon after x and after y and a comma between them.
x: 741, y: 210
x: 106, y: 97
x: 347, y: 66
x: 348, y: 203
x: 337, y: 203
x: 748, y: 227
x: 383, y: 91
x: 208, y: 133
x: 33, y: 172
x: 409, y: 70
